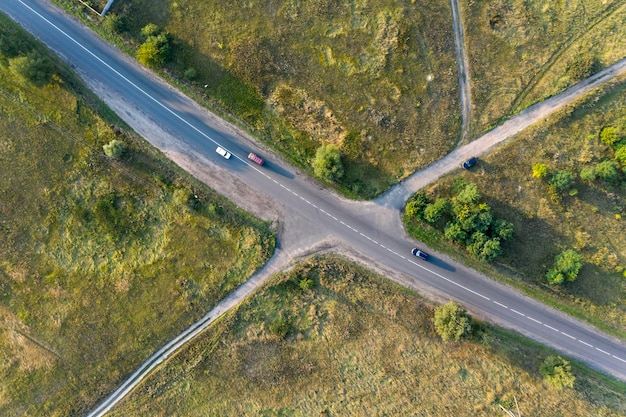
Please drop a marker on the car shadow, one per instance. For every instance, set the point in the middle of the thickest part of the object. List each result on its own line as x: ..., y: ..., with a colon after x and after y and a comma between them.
x: 440, y: 263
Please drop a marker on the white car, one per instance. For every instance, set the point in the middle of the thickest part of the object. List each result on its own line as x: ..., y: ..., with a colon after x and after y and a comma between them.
x: 223, y: 152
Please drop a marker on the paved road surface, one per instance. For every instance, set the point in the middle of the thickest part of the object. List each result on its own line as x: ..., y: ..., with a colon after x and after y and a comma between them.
x: 310, y: 216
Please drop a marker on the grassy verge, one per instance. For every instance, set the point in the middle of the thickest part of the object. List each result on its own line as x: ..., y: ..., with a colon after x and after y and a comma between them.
x: 353, y: 343
x: 102, y: 260
x: 522, y: 52
x: 379, y: 81
x: 586, y: 217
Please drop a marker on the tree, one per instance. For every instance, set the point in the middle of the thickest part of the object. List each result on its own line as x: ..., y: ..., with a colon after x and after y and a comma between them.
x: 540, y: 170
x: 32, y: 67
x: 468, y: 195
x: 561, y: 180
x: 607, y: 170
x: 115, y: 149
x: 483, y: 248
x: 149, y: 30
x: 327, y: 163
x: 434, y: 211
x: 455, y: 233
x: 557, y: 372
x: 451, y: 322
x: 115, y: 23
x: 609, y: 135
x: 503, y: 229
x: 620, y: 155
x: 415, y: 207
x: 567, y: 265
x: 155, y: 51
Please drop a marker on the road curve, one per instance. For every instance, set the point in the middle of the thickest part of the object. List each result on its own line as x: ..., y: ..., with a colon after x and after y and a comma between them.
x: 370, y: 231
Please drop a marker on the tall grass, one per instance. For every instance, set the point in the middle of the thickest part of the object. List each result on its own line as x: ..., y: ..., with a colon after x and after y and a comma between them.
x: 101, y: 261
x: 299, y: 74
x: 522, y: 52
x: 356, y: 345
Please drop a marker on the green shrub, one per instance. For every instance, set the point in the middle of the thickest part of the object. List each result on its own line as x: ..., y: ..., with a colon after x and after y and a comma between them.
x: 540, y: 170
x: 280, y: 327
x: 115, y: 149
x: 609, y: 135
x: 32, y: 67
x: 327, y: 163
x: 620, y: 155
x: 561, y: 180
x: 557, y: 372
x: 115, y: 23
x: 607, y: 170
x: 588, y: 174
x: 567, y: 265
x: 452, y: 322
x: 582, y: 66
x: 434, y: 211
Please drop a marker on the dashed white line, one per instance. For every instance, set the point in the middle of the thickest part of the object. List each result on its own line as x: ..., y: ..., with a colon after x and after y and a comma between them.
x: 517, y: 312
x: 603, y: 351
x: 551, y: 328
x: 570, y: 336
x: 619, y: 359
x: 585, y: 343
x: 501, y: 305
x: 535, y: 320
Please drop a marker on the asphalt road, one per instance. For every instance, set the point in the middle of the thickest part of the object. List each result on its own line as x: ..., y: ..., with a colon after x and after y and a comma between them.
x: 371, y: 230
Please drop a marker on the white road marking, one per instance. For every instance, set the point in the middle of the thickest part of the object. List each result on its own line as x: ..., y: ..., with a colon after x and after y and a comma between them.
x: 517, y: 312
x: 536, y: 321
x: 619, y: 359
x: 603, y: 351
x: 501, y: 305
x: 585, y: 343
x: 551, y: 328
x: 565, y: 334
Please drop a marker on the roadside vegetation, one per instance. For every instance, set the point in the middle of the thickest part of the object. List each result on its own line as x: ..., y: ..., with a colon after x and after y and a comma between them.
x: 108, y: 250
x: 562, y: 186
x: 521, y: 52
x: 378, y: 81
x: 331, y: 338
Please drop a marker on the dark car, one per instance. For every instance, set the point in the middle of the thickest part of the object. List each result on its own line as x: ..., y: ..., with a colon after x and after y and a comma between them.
x: 420, y: 254
x: 470, y: 162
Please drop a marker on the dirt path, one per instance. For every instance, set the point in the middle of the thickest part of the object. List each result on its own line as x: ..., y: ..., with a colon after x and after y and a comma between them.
x: 462, y: 64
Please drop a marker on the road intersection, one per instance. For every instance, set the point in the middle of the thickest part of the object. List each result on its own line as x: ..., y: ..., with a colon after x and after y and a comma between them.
x: 308, y: 216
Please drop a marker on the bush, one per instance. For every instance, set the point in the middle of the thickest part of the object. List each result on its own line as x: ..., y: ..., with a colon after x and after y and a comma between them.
x: 451, y: 322
x: 588, y: 174
x: 540, y: 170
x: 582, y: 66
x: 620, y: 155
x: 190, y: 73
x: 561, y: 180
x: 32, y: 67
x: 434, y: 211
x: 607, y: 170
x: 115, y: 23
x: 557, y: 372
x: 567, y: 265
x: 150, y: 30
x: 155, y: 51
x: 327, y: 163
x: 609, y: 135
x: 415, y: 206
x: 115, y: 149
x: 280, y: 327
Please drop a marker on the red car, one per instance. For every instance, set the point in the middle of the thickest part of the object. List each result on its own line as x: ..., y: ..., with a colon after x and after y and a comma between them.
x: 255, y: 158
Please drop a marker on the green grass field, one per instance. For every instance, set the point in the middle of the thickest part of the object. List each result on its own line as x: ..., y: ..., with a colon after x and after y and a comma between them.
x: 521, y: 52
x: 379, y: 80
x: 588, y: 217
x: 102, y: 261
x: 356, y: 345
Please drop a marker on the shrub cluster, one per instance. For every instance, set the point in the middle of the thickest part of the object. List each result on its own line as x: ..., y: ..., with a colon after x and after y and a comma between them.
x: 465, y: 220
x: 155, y: 50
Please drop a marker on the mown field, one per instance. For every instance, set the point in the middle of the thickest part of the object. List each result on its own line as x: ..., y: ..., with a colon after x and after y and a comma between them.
x: 521, y: 52
x: 102, y: 260
x: 355, y: 344
x: 587, y: 216
x: 377, y: 79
